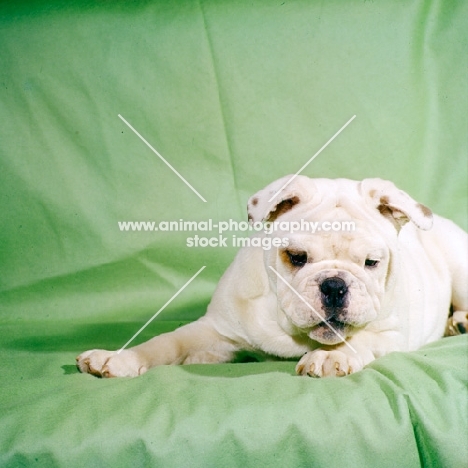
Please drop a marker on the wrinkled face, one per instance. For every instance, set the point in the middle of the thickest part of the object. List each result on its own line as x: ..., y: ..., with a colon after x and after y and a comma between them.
x: 337, y: 281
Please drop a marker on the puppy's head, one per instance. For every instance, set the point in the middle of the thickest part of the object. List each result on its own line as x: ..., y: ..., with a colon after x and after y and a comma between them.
x: 332, y: 277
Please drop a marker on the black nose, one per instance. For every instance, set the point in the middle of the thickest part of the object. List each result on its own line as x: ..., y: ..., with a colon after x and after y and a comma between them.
x: 333, y: 292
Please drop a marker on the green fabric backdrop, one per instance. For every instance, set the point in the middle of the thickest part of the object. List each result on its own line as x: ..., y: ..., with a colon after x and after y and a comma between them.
x: 234, y: 94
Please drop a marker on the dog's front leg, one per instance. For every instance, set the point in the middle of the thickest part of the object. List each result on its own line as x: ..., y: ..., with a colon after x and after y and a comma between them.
x: 197, y: 342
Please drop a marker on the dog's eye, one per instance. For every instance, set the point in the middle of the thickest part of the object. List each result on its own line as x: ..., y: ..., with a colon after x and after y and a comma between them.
x: 371, y: 263
x: 297, y: 259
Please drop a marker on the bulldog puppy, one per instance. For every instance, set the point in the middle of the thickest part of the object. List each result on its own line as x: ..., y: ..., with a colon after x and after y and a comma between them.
x: 338, y: 298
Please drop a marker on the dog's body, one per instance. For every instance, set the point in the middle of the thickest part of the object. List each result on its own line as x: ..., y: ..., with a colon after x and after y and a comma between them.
x: 338, y: 299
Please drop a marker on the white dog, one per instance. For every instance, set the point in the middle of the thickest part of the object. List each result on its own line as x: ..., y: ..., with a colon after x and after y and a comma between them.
x: 338, y: 299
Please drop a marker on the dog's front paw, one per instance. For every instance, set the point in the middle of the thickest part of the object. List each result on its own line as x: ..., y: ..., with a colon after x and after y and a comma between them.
x: 110, y: 363
x: 320, y: 363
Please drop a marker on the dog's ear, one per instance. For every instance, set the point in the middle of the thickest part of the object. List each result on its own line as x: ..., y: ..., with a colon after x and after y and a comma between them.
x: 396, y: 205
x: 278, y: 198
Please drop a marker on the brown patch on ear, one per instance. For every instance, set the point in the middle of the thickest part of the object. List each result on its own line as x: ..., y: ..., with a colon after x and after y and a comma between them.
x: 396, y: 205
x: 396, y: 216
x: 425, y: 210
x: 254, y: 201
x: 384, y: 208
x: 282, y: 208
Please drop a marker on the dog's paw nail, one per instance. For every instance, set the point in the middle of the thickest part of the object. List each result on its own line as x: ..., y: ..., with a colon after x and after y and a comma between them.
x: 106, y: 373
x: 311, y: 371
x: 338, y: 371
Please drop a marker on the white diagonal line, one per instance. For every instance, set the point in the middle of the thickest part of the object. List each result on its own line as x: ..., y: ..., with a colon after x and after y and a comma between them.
x: 161, y: 309
x: 162, y: 159
x: 343, y: 339
x: 313, y: 157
